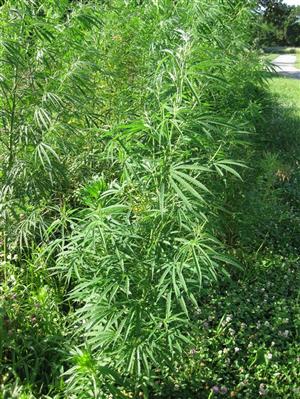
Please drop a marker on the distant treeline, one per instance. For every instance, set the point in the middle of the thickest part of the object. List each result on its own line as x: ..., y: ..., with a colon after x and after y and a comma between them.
x: 279, y: 24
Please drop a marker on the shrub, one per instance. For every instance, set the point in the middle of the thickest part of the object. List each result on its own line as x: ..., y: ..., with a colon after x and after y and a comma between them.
x: 118, y: 166
x: 142, y: 247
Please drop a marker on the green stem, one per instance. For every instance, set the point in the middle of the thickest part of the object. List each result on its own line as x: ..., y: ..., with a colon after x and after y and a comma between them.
x: 5, y: 248
x: 12, y: 122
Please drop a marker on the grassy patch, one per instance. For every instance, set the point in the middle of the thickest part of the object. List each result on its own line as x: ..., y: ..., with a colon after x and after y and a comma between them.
x: 287, y: 92
x: 247, y: 347
x: 270, y: 209
x: 298, y: 61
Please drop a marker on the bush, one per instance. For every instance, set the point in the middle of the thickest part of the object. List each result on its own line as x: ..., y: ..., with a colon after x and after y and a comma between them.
x: 143, y: 246
x: 121, y: 157
x: 278, y: 24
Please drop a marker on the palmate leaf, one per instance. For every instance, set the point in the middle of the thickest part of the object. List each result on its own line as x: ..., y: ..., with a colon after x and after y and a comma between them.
x: 43, y: 32
x: 54, y: 100
x: 195, y: 167
x: 89, y: 19
x: 13, y: 53
x: 42, y: 118
x: 88, y: 367
x: 187, y: 186
x: 34, y: 224
x: 131, y: 128
x: 192, y: 181
x: 43, y: 153
x: 226, y: 165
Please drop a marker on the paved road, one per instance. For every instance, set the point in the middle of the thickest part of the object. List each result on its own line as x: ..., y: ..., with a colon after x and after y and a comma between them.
x: 285, y: 65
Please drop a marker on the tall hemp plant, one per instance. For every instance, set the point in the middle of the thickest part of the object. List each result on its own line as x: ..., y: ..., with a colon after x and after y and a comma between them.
x: 141, y: 247
x: 120, y: 127
x: 48, y: 104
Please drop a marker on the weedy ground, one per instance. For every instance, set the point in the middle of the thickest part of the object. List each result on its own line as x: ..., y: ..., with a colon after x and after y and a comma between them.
x: 298, y: 61
x: 149, y: 199
x: 249, y: 326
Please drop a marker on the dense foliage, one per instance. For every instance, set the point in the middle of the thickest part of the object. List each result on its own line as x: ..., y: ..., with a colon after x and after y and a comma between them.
x: 279, y: 24
x: 125, y: 132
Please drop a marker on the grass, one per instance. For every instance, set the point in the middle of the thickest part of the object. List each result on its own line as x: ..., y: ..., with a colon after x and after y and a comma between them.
x: 287, y: 91
x: 248, y: 348
x: 298, y: 61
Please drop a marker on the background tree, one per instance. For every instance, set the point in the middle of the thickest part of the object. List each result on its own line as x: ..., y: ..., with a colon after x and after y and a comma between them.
x: 278, y: 24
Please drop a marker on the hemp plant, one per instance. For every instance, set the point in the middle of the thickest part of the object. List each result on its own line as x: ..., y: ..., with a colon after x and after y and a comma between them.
x: 46, y: 98
x: 143, y: 247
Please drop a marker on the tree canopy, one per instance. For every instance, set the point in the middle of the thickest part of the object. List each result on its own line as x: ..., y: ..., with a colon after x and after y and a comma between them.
x: 279, y: 25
